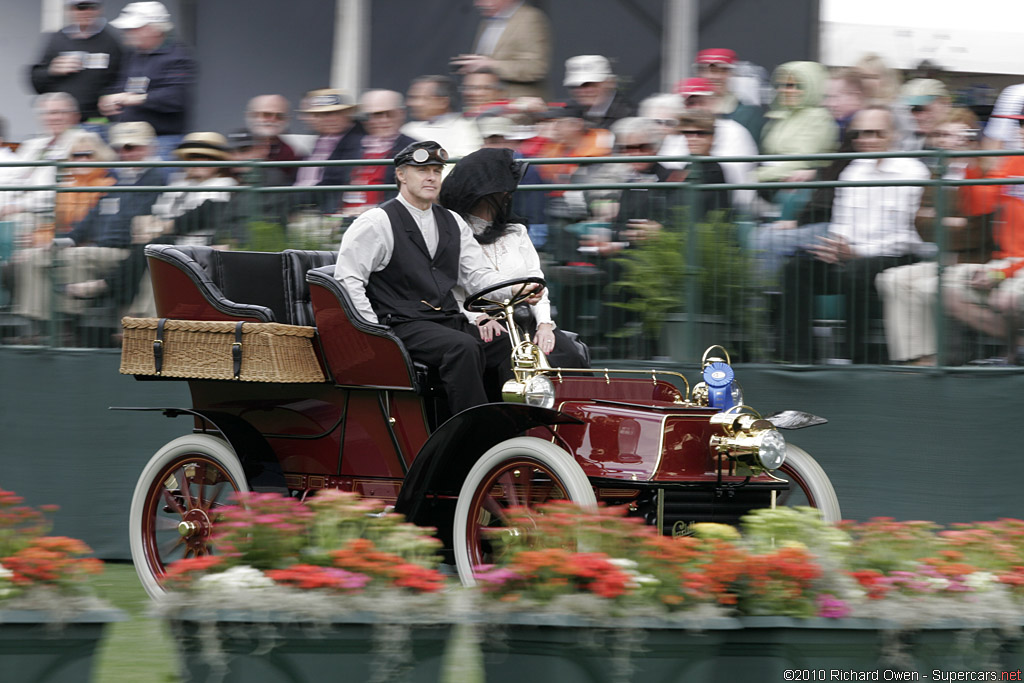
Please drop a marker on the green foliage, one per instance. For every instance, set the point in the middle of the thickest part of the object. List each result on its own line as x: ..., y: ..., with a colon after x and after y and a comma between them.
x: 265, y: 236
x: 656, y: 272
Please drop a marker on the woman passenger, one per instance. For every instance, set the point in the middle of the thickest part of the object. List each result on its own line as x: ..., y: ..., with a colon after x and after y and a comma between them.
x: 480, y: 189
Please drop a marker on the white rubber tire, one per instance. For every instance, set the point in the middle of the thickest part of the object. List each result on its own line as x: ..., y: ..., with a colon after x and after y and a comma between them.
x: 561, y: 464
x: 211, y: 447
x: 819, y: 487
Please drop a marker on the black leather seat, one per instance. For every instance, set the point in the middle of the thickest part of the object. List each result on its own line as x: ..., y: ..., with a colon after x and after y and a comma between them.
x: 202, y: 265
x: 297, y: 262
x: 268, y: 285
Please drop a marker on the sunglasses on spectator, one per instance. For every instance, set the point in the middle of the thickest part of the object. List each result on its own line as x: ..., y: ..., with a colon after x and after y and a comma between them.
x: 387, y: 113
x: 699, y: 133
x: 787, y: 85
x: 917, y: 109
x: 636, y: 148
x: 868, y: 133
x: 84, y: 6
x: 129, y: 147
x: 280, y: 116
x: 966, y: 133
x: 82, y: 155
x: 716, y: 68
x: 669, y: 123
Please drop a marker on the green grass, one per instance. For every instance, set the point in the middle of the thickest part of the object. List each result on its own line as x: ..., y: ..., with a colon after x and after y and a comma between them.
x: 139, y: 650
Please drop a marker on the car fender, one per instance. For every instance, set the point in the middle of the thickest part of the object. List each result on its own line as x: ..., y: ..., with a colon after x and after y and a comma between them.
x: 262, y: 469
x: 442, y: 464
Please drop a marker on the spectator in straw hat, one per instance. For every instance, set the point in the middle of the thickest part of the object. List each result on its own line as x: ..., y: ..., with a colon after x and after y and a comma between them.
x: 331, y: 115
x: 201, y: 146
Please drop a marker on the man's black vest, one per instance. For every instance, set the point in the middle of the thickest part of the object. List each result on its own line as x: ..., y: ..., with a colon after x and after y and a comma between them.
x: 414, y: 286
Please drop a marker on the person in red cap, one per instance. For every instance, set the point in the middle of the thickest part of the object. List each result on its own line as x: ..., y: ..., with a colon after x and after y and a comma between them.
x: 717, y: 66
x: 730, y: 139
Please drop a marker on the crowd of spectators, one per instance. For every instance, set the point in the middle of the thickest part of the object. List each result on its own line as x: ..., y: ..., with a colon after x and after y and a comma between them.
x: 128, y: 95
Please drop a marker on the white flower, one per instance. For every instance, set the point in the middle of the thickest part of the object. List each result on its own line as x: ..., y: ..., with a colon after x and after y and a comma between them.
x: 236, y: 578
x: 646, y: 579
x: 935, y: 582
x: 980, y: 580
x: 6, y: 585
x: 622, y: 563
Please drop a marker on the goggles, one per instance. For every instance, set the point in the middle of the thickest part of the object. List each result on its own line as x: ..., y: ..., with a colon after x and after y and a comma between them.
x: 421, y: 156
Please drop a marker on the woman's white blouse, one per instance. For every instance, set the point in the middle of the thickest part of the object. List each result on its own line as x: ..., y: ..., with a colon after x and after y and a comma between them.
x: 513, y: 256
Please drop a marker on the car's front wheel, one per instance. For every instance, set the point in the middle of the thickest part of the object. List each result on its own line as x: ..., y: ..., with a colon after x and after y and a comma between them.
x: 520, y: 472
x: 808, y: 484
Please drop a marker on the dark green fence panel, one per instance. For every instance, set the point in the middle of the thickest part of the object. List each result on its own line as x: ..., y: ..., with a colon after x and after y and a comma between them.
x: 906, y: 444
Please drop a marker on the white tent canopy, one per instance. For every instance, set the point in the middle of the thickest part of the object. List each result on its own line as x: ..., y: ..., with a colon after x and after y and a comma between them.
x: 985, y: 36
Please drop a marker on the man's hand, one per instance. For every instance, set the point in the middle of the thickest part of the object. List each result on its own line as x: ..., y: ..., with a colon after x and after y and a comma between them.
x: 832, y: 250
x: 544, y: 337
x: 133, y: 99
x: 641, y: 229
x: 468, y: 64
x: 111, y: 105
x: 489, y: 328
x: 802, y: 176
x: 62, y: 65
x: 987, y: 278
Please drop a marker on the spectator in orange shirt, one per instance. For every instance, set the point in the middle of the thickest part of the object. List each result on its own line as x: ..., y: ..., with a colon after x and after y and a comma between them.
x: 989, y: 297
x: 571, y: 137
x: 72, y: 207
x: 908, y: 292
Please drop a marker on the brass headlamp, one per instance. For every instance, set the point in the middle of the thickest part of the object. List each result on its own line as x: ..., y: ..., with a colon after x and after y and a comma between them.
x: 751, y: 441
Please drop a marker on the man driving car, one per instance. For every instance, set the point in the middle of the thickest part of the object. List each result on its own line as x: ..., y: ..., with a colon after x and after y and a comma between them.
x: 399, y: 261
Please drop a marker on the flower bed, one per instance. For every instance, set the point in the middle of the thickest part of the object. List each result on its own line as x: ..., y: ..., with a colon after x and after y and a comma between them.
x: 50, y: 622
x: 784, y: 588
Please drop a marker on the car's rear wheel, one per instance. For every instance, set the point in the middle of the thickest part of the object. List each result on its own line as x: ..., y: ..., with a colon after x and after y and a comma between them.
x: 176, y: 501
x: 520, y: 472
x: 808, y: 484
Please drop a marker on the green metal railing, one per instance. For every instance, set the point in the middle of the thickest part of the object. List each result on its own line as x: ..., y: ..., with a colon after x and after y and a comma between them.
x: 592, y: 304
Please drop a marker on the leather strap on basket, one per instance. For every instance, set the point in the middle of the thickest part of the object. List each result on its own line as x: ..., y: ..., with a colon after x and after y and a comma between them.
x: 236, y: 350
x: 158, y: 346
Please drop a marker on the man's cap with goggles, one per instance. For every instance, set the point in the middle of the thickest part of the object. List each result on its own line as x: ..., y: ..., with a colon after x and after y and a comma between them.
x: 718, y: 56
x: 426, y: 153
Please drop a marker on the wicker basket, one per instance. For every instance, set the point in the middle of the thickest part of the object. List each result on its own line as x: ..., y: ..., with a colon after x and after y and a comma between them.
x: 249, y: 352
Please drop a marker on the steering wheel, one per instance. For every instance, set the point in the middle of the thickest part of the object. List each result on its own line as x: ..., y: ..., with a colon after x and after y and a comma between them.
x: 479, y: 303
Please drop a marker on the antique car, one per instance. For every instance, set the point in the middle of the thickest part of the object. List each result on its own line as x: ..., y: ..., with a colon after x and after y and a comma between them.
x: 368, y: 419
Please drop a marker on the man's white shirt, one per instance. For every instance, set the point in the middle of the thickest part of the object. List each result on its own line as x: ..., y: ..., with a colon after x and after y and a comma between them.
x: 879, y: 221
x: 367, y: 246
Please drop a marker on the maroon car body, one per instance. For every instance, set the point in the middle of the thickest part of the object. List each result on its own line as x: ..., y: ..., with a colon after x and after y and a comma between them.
x: 378, y: 426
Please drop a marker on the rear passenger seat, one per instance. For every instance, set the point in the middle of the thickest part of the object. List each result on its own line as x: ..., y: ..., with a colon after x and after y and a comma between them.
x: 268, y: 286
